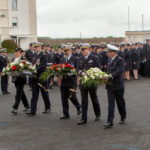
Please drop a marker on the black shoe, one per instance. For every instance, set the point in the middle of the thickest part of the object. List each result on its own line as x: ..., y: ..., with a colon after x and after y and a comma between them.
x: 78, y: 111
x: 97, y: 119
x: 46, y: 111
x: 31, y: 113
x: 108, y: 125
x: 122, y: 121
x: 14, y: 111
x: 64, y: 117
x: 82, y: 122
x: 5, y: 93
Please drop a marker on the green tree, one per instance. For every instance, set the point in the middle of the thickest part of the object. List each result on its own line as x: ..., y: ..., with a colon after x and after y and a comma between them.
x: 9, y: 44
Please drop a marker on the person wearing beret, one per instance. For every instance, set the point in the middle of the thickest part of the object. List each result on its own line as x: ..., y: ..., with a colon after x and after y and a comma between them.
x: 19, y: 82
x: 87, y: 61
x: 115, y: 86
x: 4, y: 79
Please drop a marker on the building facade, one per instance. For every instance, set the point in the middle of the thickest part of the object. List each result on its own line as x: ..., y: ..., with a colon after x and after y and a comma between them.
x: 18, y: 21
x: 137, y: 36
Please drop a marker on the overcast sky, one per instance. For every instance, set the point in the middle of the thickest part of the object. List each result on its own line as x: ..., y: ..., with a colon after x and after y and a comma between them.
x: 94, y: 18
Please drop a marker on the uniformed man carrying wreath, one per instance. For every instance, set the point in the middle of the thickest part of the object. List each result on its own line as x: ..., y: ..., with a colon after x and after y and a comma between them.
x: 87, y: 61
x: 37, y: 86
x: 68, y: 85
x: 115, y: 87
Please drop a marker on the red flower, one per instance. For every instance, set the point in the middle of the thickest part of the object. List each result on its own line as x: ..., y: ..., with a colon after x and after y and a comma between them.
x: 14, y: 68
x: 24, y: 62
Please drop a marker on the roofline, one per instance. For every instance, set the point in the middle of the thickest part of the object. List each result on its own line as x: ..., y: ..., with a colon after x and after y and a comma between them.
x: 139, y: 31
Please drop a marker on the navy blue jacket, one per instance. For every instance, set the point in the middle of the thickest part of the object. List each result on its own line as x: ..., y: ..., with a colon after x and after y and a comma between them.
x: 41, y: 63
x: 3, y: 63
x: 91, y: 62
x: 69, y: 81
x: 29, y: 55
x: 58, y: 57
x: 116, y: 69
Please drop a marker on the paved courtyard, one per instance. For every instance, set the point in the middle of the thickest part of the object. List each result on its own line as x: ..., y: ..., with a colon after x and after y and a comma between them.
x: 47, y: 132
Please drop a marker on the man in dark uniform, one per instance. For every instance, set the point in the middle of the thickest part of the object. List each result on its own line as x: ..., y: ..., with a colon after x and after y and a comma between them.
x: 121, y: 52
x: 57, y: 56
x: 146, y: 57
x: 50, y: 61
x: 86, y: 62
x: 40, y: 62
x: 50, y: 55
x: 77, y: 53
x: 142, y: 59
x: 19, y: 82
x: 98, y: 53
x: 104, y: 58
x: 29, y: 55
x: 115, y: 87
x: 68, y: 85
x: 4, y: 78
x: 135, y: 61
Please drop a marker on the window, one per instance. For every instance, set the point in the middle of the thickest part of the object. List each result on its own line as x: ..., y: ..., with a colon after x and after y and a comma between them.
x: 14, y: 22
x: 3, y: 13
x: 14, y: 4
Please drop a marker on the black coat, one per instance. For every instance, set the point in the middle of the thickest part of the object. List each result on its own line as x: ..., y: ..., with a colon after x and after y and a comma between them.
x: 128, y: 60
x: 69, y: 81
x: 122, y: 54
x: 49, y: 57
x: 3, y: 63
x: 116, y: 69
x: 30, y: 56
x: 41, y: 63
x: 104, y: 61
x: 58, y: 57
x: 146, y: 51
x: 85, y: 64
x: 135, y: 59
x: 77, y: 55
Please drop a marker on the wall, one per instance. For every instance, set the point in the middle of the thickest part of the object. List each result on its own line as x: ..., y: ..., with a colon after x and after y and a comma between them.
x: 137, y: 36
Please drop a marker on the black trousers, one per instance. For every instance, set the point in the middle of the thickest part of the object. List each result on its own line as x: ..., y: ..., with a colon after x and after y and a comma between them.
x: 93, y: 94
x: 147, y: 68
x: 20, y: 94
x: 4, y: 83
x: 66, y: 94
x: 117, y: 96
x: 35, y: 95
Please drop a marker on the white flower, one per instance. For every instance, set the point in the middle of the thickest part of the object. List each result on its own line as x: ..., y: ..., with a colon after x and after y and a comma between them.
x: 32, y: 67
x: 96, y: 69
x: 93, y: 77
x: 28, y: 63
x: 21, y: 64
